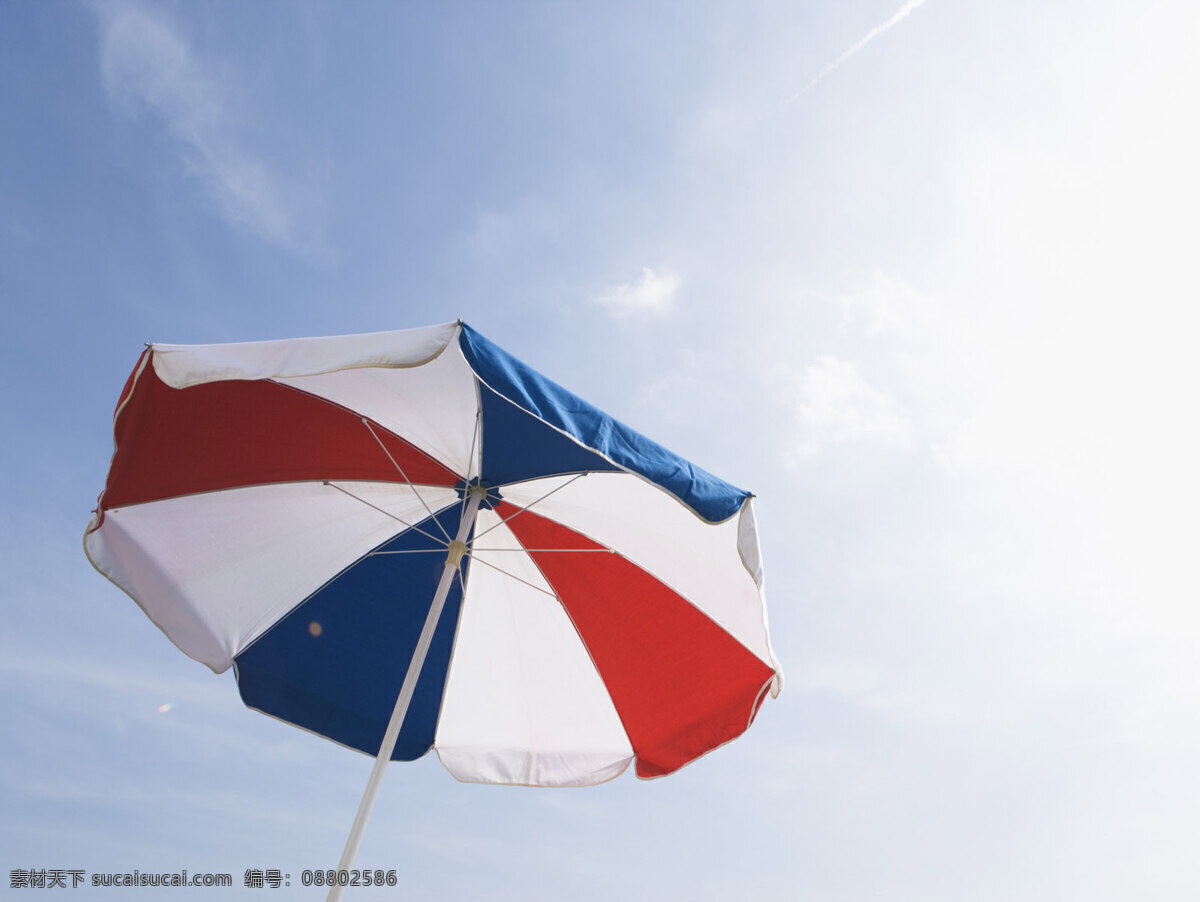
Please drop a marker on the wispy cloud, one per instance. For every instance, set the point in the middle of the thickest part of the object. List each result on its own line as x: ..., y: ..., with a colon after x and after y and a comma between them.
x: 836, y: 405
x: 650, y: 294
x: 871, y: 35
x: 148, y: 68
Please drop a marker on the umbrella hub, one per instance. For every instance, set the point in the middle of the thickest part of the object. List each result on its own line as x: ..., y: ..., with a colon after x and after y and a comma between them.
x: 455, y: 551
x: 488, y: 494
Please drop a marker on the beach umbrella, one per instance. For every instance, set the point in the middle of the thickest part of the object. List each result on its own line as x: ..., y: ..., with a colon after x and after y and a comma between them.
x: 412, y: 540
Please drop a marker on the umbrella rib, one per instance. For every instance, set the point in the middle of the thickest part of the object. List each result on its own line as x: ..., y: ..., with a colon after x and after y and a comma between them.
x: 523, y: 550
x: 411, y: 526
x: 409, y: 551
x: 404, y: 476
x: 475, y: 437
x: 531, y: 504
x: 511, y: 575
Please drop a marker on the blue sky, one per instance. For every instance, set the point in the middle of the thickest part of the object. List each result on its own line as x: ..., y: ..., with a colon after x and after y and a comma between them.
x: 919, y: 274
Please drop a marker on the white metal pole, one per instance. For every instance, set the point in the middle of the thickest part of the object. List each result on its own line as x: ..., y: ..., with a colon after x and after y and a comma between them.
x: 457, y: 549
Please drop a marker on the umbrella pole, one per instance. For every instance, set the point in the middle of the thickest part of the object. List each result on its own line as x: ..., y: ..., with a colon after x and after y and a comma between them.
x: 457, y: 548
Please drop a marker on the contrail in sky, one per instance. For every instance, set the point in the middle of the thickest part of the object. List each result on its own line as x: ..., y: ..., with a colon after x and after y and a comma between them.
x: 875, y: 32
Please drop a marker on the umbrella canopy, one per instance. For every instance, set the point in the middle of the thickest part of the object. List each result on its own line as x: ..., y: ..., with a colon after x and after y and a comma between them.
x: 316, y: 513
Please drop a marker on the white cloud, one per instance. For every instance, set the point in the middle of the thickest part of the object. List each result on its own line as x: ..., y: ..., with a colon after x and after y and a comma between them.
x: 836, y: 405
x: 147, y: 66
x: 875, y: 32
x: 650, y: 294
